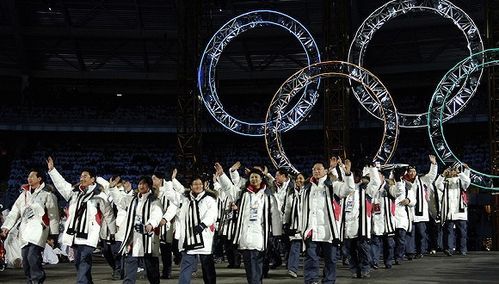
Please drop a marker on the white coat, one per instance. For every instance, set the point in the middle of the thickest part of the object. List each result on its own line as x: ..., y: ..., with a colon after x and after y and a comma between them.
x: 423, y: 185
x: 97, y: 206
x: 404, y: 214
x: 456, y: 195
x: 42, y: 206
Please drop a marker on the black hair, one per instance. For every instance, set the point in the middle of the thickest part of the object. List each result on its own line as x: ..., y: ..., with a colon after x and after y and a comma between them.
x: 39, y: 173
x: 147, y: 180
x: 90, y: 172
x: 283, y: 171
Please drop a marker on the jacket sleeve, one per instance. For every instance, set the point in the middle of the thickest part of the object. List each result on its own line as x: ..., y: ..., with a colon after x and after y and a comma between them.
x: 228, y: 187
x: 156, y: 214
x: 374, y: 183
x: 104, y: 183
x: 108, y: 214
x: 465, y: 178
x: 345, y: 187
x: 53, y: 213
x: 287, y: 208
x: 431, y: 175
x: 61, y: 184
x: 120, y: 198
x: 411, y: 195
x: 170, y: 213
x: 177, y: 186
x: 234, y: 176
x: 439, y: 183
x: 210, y: 216
x: 174, y: 196
x: 14, y: 214
x: 276, y: 217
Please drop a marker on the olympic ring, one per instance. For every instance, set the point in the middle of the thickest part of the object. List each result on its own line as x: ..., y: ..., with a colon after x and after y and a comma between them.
x: 437, y: 108
x: 308, y: 75
x: 395, y: 8
x: 220, y: 40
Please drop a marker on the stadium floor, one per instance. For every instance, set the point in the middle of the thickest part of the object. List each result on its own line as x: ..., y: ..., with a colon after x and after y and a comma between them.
x: 477, y: 267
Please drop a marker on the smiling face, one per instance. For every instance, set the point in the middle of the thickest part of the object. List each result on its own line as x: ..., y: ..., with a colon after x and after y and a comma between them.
x: 86, y: 180
x: 411, y: 173
x: 143, y: 187
x: 280, y: 178
x: 300, y: 180
x: 197, y: 186
x: 318, y: 171
x: 33, y: 180
x: 255, y: 180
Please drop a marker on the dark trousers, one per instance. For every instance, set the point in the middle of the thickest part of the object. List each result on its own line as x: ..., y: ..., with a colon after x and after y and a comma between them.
x: 435, y: 235
x: 420, y: 237
x: 274, y: 252
x: 359, y: 251
x: 151, y: 267
x: 189, y: 264
x: 110, y: 252
x: 218, y: 246
x: 383, y: 243
x: 312, y: 262
x: 450, y: 239
x: 400, y: 236
x: 83, y: 263
x: 294, y: 255
x: 253, y: 264
x: 166, y: 258
x: 410, y: 241
x: 233, y: 255
x: 32, y: 263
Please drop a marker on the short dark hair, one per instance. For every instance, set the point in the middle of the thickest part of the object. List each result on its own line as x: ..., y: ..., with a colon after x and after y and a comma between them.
x: 283, y: 171
x: 159, y: 174
x: 147, y: 180
x: 90, y: 172
x: 39, y: 173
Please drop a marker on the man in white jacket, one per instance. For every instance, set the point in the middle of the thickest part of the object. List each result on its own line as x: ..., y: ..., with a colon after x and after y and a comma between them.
x: 421, y: 186
x: 454, y: 184
x: 321, y: 220
x: 195, y: 229
x: 37, y: 210
x: 141, y: 239
x: 404, y: 214
x: 88, y: 205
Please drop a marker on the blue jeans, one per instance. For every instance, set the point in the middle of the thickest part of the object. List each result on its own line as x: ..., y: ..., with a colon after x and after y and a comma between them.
x: 32, y: 263
x: 420, y: 237
x: 294, y: 255
x: 312, y: 262
x: 383, y: 244
x: 400, y: 235
x: 450, y: 238
x: 189, y: 264
x: 359, y: 251
x: 83, y: 263
x: 253, y: 265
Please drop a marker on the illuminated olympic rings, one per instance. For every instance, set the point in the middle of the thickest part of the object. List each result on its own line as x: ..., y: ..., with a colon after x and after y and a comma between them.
x: 450, y: 97
x: 213, y: 51
x: 396, y: 8
x: 296, y: 82
x: 437, y: 110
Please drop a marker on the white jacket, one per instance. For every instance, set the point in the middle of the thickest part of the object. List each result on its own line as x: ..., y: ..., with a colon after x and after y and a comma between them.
x: 155, y: 214
x: 121, y: 215
x: 97, y: 207
x: 169, y: 213
x: 383, y: 218
x: 208, y: 216
x: 295, y: 194
x: 421, y: 188
x: 404, y: 215
x: 354, y: 207
x: 320, y: 207
x: 455, y: 197
x: 38, y: 213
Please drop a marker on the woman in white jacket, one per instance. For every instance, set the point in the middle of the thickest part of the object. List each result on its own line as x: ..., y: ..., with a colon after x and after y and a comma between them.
x: 453, y: 184
x: 195, y: 229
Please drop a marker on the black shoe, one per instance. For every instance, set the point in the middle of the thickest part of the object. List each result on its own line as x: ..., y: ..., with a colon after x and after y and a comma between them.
x: 375, y: 266
x: 116, y: 274
x: 398, y: 262
x: 447, y: 252
x: 166, y: 276
x: 388, y: 266
x: 365, y: 275
x: 233, y: 266
x: 410, y: 256
x: 354, y: 275
x: 419, y: 255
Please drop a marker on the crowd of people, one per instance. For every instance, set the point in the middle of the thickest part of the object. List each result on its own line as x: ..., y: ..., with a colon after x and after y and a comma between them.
x: 367, y: 216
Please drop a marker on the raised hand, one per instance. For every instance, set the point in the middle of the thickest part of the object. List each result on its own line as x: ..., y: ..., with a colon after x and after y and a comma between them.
x: 333, y: 162
x: 114, y: 182
x: 347, y: 166
x: 236, y: 166
x: 50, y: 163
x: 265, y: 170
x: 219, y: 170
x: 174, y: 173
x: 433, y: 159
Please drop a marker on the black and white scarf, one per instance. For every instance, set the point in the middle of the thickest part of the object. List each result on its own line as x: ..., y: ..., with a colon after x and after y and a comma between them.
x: 267, y: 216
x: 388, y: 211
x: 163, y: 231
x: 78, y: 225
x: 445, y: 200
x: 193, y: 240
x: 437, y: 200
x: 333, y: 205
x: 295, y: 222
x: 419, y: 197
x: 408, y: 210
x: 147, y: 239
x: 365, y: 213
